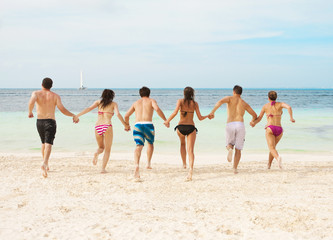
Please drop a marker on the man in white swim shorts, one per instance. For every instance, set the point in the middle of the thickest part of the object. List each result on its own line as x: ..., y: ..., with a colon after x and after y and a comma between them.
x: 235, y: 129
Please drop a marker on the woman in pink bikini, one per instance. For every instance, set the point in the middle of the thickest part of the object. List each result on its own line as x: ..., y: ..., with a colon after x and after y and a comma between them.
x: 103, y: 128
x: 273, y: 128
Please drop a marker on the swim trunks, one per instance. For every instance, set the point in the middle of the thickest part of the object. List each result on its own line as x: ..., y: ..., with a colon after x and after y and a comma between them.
x: 101, y: 129
x: 186, y: 129
x: 235, y: 134
x: 142, y: 131
x: 47, y: 129
x: 276, y: 130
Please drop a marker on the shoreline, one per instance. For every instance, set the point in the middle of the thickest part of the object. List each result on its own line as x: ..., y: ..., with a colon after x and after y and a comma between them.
x: 175, y: 159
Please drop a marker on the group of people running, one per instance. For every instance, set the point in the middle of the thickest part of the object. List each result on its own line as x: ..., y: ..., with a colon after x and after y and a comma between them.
x: 143, y: 130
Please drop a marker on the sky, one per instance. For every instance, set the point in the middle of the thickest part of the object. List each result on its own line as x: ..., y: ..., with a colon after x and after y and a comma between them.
x: 167, y: 43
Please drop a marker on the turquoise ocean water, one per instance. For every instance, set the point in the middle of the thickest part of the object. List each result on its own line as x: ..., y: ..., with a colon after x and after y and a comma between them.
x: 312, y: 132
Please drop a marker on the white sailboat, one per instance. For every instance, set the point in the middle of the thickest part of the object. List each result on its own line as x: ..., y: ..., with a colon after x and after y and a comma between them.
x: 81, y: 83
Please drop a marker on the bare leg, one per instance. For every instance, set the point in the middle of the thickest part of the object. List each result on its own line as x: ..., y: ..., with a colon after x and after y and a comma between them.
x: 150, y: 151
x: 108, y: 137
x: 137, y: 155
x: 270, y: 157
x: 230, y: 149
x: 47, y: 152
x: 237, y: 158
x: 190, y: 151
x: 270, y: 160
x: 272, y: 142
x: 182, y: 148
x: 277, y: 140
x: 100, y: 149
x: 43, y: 151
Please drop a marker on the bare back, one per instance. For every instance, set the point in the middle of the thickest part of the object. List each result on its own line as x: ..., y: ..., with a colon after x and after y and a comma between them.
x: 236, y: 109
x: 46, y: 102
x: 186, y: 112
x: 105, y: 114
x: 144, y: 109
x: 273, y: 113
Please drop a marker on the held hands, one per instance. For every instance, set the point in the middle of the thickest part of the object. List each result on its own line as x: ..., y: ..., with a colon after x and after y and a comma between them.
x: 127, y: 128
x: 75, y: 119
x: 31, y: 115
x: 167, y: 124
x: 292, y: 120
x: 252, y: 124
x: 211, y: 116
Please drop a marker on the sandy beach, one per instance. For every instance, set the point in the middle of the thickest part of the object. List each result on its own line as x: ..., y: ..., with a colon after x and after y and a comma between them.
x: 77, y: 202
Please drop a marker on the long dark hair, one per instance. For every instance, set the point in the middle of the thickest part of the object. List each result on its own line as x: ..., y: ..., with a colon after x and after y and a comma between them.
x: 188, y: 95
x: 106, y: 98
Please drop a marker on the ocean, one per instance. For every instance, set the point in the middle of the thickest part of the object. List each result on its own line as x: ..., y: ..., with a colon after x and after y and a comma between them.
x: 312, y: 132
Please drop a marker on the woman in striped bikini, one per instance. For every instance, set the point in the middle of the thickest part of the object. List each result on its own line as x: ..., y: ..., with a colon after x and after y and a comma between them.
x: 273, y: 128
x: 103, y: 128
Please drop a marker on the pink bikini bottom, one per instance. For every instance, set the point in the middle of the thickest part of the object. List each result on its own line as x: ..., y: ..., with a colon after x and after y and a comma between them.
x: 277, y: 130
x: 101, y: 129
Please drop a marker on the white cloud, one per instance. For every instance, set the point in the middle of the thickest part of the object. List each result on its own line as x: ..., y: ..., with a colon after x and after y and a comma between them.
x: 148, y: 37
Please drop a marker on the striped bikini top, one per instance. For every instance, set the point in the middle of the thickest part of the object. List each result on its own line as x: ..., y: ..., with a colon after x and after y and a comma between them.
x: 101, y: 113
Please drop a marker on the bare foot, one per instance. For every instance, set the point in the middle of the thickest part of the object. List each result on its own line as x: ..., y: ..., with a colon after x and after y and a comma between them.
x: 189, y: 176
x: 279, y: 160
x: 184, y: 166
x: 235, y: 171
x: 95, y: 159
x: 269, y: 165
x: 47, y: 168
x: 103, y: 171
x: 138, y: 180
x: 137, y: 173
x: 149, y: 165
x: 44, y: 170
x: 229, y: 157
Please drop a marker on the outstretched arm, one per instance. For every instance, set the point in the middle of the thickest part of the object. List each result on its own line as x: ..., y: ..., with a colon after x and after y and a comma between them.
x: 290, y: 111
x: 158, y: 110
x: 251, y: 111
x: 120, y: 117
x: 32, y: 102
x: 217, y: 105
x: 175, y: 112
x: 197, y: 110
x: 129, y: 113
x: 86, y: 110
x: 62, y: 108
x: 258, y: 119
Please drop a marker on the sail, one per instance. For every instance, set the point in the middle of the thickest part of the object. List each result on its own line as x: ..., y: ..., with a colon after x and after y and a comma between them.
x: 81, y: 82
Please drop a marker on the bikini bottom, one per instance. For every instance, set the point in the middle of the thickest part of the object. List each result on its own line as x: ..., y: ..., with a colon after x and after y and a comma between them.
x: 186, y: 129
x: 276, y: 130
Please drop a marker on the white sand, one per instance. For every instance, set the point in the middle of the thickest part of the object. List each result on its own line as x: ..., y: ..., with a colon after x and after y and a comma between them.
x: 76, y: 202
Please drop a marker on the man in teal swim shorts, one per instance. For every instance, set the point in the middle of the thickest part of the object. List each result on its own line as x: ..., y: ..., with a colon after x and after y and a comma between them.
x: 143, y: 128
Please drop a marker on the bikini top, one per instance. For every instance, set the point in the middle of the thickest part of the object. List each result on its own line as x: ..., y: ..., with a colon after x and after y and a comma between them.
x: 272, y: 115
x: 185, y: 112
x: 101, y: 113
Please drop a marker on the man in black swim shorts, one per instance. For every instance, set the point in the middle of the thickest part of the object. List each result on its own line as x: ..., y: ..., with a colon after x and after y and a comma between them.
x: 47, y: 129
x: 46, y: 102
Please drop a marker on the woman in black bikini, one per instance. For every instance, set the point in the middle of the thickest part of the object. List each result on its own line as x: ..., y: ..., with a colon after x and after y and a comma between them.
x: 185, y: 127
